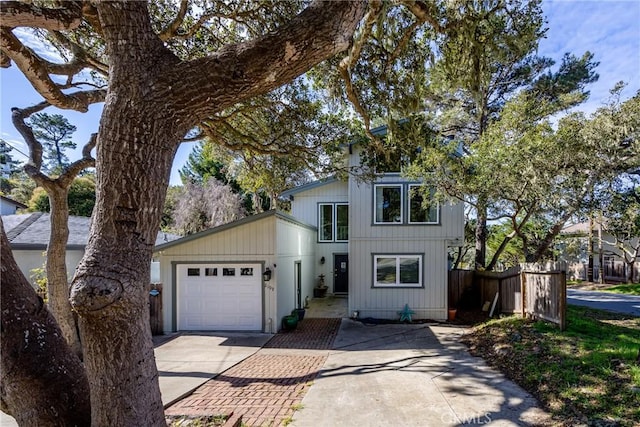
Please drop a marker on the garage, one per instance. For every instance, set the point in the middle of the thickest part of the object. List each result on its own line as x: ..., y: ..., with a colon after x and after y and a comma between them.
x: 219, y: 297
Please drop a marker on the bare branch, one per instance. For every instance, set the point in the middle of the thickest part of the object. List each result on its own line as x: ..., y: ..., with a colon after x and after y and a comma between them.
x: 425, y: 12
x: 35, y: 70
x: 17, y: 14
x: 172, y: 28
x: 375, y: 8
x: 87, y: 161
x: 5, y: 61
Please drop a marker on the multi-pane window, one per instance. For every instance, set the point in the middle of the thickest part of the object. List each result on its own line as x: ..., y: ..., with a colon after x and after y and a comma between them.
x: 422, y: 211
x: 388, y: 204
x: 333, y: 222
x: 397, y: 270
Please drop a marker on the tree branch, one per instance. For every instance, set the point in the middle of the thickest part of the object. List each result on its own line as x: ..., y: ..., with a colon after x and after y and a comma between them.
x: 172, y: 28
x: 255, y: 67
x: 35, y: 70
x: 17, y: 14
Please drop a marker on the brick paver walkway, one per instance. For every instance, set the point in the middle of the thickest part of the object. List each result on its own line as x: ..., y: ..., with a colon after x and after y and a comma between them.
x: 264, y: 387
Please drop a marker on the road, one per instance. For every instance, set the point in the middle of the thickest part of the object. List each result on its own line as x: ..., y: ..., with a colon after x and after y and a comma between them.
x: 621, y: 303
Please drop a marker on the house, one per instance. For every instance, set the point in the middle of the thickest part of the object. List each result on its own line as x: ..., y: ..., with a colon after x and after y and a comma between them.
x: 28, y: 235
x: 572, y: 246
x: 373, y: 242
x: 9, y: 206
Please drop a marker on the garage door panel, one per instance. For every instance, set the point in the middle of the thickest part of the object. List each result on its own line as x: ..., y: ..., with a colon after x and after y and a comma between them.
x: 230, y: 300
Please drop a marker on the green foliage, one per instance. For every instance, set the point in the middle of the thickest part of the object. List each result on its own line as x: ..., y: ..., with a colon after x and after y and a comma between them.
x: 38, y: 277
x: 585, y: 374
x: 81, y: 197
x: 54, y: 133
x: 22, y: 187
x: 629, y: 288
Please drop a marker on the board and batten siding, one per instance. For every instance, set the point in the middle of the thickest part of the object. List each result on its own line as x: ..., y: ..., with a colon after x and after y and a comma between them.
x: 367, y: 239
x: 294, y: 244
x: 304, y: 208
x: 251, y: 242
x: 428, y: 302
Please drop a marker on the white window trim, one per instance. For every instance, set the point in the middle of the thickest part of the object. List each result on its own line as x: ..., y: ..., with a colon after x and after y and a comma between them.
x: 334, y: 222
x: 375, y: 205
x: 437, y: 221
x: 320, y: 225
x: 398, y: 284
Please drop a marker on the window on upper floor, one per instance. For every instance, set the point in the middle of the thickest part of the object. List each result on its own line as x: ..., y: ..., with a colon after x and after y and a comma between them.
x: 419, y: 211
x: 397, y: 271
x: 333, y: 222
x: 389, y: 205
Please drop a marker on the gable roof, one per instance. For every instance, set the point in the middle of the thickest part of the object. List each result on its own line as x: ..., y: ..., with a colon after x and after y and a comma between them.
x: 13, y: 202
x: 311, y: 185
x: 231, y: 225
x: 31, y: 231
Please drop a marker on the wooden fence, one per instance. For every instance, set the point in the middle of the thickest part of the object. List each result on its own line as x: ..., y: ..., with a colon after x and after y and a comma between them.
x: 155, y: 308
x: 528, y: 290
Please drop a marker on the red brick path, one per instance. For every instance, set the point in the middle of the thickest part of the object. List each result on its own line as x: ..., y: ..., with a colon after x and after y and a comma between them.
x: 264, y: 387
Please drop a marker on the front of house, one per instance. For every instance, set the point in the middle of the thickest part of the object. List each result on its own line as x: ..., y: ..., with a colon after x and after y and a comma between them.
x: 372, y: 242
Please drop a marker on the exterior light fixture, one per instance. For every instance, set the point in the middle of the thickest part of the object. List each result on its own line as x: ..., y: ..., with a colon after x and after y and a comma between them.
x: 267, y: 274
x: 322, y: 260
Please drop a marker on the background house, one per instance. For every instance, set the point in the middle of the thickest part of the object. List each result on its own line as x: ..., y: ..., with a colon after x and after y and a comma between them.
x: 9, y: 206
x: 573, y: 249
x: 28, y: 236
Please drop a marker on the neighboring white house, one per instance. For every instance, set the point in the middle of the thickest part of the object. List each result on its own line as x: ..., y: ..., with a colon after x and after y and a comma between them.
x: 9, y: 206
x: 572, y: 246
x: 28, y: 236
x: 372, y: 242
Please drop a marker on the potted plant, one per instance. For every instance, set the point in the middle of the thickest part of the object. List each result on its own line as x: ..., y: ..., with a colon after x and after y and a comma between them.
x: 321, y: 289
x: 289, y: 322
x: 299, y: 313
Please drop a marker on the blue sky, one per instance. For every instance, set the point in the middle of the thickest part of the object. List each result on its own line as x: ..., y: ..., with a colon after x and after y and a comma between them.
x: 610, y: 29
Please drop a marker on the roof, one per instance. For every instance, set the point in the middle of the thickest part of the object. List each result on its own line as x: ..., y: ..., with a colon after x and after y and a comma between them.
x: 231, y: 225
x: 308, y: 186
x: 31, y: 231
x: 14, y: 202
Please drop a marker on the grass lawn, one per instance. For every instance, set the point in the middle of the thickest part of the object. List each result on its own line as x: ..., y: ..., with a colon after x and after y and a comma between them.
x: 587, y: 374
x: 629, y: 288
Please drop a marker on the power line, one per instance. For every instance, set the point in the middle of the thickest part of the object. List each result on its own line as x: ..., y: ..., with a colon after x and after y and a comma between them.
x: 15, y: 148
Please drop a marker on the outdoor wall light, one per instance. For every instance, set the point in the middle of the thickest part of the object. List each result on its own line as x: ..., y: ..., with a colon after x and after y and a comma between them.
x: 267, y: 274
x: 322, y: 260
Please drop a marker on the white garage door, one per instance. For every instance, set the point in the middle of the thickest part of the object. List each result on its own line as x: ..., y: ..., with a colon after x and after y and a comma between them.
x: 219, y: 297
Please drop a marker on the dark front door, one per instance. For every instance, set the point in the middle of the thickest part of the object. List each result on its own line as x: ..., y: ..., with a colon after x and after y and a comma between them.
x: 340, y: 273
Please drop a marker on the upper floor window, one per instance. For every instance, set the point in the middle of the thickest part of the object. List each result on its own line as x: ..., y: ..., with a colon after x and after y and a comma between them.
x: 389, y: 205
x: 333, y: 222
x: 419, y: 211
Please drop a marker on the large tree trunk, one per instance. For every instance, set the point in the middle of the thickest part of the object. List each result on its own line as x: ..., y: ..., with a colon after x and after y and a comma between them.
x: 43, y: 381
x: 57, y: 278
x: 152, y: 101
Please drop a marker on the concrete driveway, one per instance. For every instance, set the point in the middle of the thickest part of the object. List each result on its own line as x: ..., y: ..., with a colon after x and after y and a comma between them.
x: 411, y: 375
x: 189, y: 360
x: 620, y: 303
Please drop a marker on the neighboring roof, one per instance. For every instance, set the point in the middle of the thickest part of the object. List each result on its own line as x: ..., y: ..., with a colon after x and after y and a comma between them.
x: 308, y: 186
x: 231, y: 225
x: 31, y: 231
x: 14, y: 202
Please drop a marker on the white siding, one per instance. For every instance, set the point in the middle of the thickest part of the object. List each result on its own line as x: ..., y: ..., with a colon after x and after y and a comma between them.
x: 367, y: 239
x: 28, y: 260
x: 294, y: 243
x: 304, y: 206
x: 305, y: 209
x: 251, y: 242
